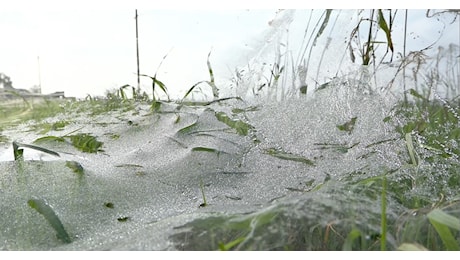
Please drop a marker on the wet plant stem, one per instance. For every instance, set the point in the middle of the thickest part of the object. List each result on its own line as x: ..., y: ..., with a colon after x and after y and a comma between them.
x: 204, y: 204
x: 383, y: 224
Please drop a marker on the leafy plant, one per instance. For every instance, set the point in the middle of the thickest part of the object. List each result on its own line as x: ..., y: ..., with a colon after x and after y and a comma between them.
x: 84, y: 142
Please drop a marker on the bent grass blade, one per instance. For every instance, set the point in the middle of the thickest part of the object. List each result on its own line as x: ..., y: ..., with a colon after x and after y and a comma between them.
x: 241, y: 127
x: 47, y: 211
x: 288, y: 156
x: 442, y: 222
x: 19, y: 153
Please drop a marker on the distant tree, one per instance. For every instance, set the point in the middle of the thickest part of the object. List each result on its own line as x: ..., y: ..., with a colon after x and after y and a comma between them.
x: 5, y: 81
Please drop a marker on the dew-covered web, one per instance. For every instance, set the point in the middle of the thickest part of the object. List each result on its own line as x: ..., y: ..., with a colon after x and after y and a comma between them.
x: 292, y: 155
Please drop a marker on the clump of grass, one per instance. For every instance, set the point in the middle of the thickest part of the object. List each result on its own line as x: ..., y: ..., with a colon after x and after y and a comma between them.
x: 83, y: 141
x: 21, y: 111
x: 45, y: 127
x: 405, y: 191
x: 86, y: 143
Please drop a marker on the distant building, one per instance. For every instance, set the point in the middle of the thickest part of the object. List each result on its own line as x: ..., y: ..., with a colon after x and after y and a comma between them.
x: 7, y: 91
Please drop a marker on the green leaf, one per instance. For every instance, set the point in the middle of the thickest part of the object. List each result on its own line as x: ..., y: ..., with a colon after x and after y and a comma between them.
x: 441, y: 221
x: 43, y: 208
x: 75, y: 167
x: 46, y: 139
x: 207, y: 149
x: 384, y: 26
x: 231, y: 244
x: 155, y: 107
x: 351, y: 237
x: 241, y: 127
x: 86, y: 143
x: 414, y: 93
x: 211, y: 82
x: 411, y: 247
x: 348, y: 126
x: 215, y: 90
x: 192, y: 88
x: 411, y: 149
x: 323, y: 25
x: 444, y: 218
x: 161, y: 85
x: 187, y: 129
x: 19, y: 152
x: 288, y: 156
x: 156, y: 81
x: 303, y: 89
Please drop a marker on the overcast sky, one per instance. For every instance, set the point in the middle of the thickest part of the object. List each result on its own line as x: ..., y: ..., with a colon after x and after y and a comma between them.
x: 88, y: 49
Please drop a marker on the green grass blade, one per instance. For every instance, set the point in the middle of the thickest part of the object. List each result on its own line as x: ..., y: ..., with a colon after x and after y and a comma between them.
x: 75, y: 167
x: 187, y: 129
x: 155, y: 82
x: 441, y: 221
x: 241, y: 127
x: 208, y: 150
x: 414, y: 93
x: 384, y: 26
x: 288, y: 156
x: 412, y: 247
x: 161, y: 85
x: 231, y: 244
x: 48, y: 139
x: 18, y: 153
x: 351, y: 237
x: 43, y: 208
x: 192, y: 88
x: 215, y: 91
x: 444, y: 218
x: 348, y: 126
x: 323, y: 25
x: 16, y: 145
x: 204, y: 204
x: 211, y: 82
x: 383, y: 224
x: 411, y: 149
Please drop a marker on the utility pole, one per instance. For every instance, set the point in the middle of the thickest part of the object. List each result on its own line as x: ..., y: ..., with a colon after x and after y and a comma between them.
x: 137, y: 54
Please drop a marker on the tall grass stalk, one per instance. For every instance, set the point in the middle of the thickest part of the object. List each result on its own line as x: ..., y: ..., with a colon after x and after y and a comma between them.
x: 211, y: 82
x: 156, y: 81
x: 383, y: 224
x: 204, y: 204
